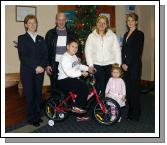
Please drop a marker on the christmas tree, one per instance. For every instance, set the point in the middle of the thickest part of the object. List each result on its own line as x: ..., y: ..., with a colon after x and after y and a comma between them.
x: 84, y: 23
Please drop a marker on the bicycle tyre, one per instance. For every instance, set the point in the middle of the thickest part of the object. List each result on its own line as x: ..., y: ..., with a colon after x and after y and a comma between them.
x: 105, y: 118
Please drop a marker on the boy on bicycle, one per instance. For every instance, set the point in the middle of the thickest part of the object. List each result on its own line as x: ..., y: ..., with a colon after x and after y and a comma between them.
x: 70, y: 70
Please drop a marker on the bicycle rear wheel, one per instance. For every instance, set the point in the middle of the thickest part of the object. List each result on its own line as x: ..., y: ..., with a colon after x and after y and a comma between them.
x: 53, y: 113
x: 111, y: 116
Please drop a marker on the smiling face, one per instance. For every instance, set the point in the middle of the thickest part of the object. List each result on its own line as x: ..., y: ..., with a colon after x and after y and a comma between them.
x: 131, y: 23
x: 72, y: 48
x: 102, y: 25
x: 31, y: 25
x: 61, y: 20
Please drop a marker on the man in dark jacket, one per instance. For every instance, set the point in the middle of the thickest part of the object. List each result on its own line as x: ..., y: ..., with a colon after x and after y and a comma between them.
x: 56, y: 40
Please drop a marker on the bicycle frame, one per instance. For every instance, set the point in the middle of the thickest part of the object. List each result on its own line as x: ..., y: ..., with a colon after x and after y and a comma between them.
x: 103, y: 108
x: 73, y: 96
x: 70, y: 95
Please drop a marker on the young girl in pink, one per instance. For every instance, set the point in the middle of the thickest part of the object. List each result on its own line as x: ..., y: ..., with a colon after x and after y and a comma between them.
x: 115, y: 88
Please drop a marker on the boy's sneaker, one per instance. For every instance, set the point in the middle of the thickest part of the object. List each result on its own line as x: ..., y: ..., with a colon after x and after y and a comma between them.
x: 78, y: 110
x: 84, y: 118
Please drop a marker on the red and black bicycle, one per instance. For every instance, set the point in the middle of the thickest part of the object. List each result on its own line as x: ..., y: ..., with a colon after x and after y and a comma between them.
x: 106, y: 111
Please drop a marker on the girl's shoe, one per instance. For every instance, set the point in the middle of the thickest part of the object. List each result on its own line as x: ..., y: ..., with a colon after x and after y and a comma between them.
x: 112, y: 117
x: 119, y: 119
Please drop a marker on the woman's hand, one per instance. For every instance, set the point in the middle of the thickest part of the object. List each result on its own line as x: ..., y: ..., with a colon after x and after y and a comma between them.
x: 49, y: 70
x: 85, y: 74
x: 125, y: 67
x: 39, y: 70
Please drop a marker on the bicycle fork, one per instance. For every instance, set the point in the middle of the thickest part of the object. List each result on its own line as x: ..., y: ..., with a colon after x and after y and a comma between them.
x: 103, y: 108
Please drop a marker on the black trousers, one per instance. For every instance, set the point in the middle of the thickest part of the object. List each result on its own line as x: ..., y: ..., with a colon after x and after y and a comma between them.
x: 77, y: 86
x: 133, y: 95
x: 53, y: 77
x: 32, y: 87
x: 102, y: 76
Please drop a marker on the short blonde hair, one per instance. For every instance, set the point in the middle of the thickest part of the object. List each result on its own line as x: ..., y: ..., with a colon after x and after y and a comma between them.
x: 28, y: 17
x: 106, y: 19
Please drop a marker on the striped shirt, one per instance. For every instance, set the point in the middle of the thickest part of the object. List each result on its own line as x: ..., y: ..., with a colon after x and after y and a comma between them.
x: 61, y: 43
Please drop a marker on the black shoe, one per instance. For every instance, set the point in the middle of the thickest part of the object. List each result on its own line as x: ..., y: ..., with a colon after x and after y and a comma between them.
x: 35, y: 123
x: 40, y: 120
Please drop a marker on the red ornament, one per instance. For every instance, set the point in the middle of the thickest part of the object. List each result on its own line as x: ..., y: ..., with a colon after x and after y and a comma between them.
x: 79, y: 25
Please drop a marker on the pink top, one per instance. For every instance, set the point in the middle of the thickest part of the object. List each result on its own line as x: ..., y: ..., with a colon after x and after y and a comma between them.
x: 116, y: 87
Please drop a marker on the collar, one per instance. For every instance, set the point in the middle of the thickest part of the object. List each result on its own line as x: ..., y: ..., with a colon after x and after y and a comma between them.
x: 32, y: 34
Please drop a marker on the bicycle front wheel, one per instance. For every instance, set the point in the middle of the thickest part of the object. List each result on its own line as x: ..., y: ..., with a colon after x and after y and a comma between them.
x: 112, y: 114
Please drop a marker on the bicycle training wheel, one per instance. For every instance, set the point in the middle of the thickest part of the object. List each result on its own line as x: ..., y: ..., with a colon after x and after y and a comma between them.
x: 54, y: 113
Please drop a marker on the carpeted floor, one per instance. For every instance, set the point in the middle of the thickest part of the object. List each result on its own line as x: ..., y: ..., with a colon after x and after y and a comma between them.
x: 145, y: 125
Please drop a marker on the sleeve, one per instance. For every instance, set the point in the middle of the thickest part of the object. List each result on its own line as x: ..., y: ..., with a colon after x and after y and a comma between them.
x: 117, y: 49
x: 88, y: 51
x: 140, y: 43
x: 108, y: 87
x: 67, y: 68
x: 83, y: 67
x: 49, y: 48
x: 44, y: 56
x: 123, y: 88
x: 135, y: 51
x: 24, y: 58
x: 123, y: 49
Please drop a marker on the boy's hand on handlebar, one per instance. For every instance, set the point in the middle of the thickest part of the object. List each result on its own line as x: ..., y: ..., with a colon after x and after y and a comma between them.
x: 91, y: 69
x: 85, y: 74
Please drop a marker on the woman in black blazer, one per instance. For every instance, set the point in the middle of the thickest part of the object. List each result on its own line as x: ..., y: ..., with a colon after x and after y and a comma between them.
x: 131, y: 63
x: 33, y: 59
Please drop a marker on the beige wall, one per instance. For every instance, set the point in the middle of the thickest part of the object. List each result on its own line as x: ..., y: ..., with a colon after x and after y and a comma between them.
x: 46, y: 15
x: 46, y: 20
x: 120, y: 20
x: 145, y: 24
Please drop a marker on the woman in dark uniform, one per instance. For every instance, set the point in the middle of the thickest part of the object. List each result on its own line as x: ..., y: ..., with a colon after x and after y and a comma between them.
x: 33, y: 59
x: 131, y: 63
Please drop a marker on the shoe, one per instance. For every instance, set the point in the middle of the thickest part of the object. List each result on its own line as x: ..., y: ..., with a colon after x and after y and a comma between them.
x: 112, y: 118
x: 119, y: 119
x: 78, y: 110
x: 35, y: 123
x: 82, y: 118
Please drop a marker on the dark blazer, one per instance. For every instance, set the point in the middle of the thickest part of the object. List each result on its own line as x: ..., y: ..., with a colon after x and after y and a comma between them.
x: 132, y: 51
x: 32, y: 54
x: 51, y: 42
